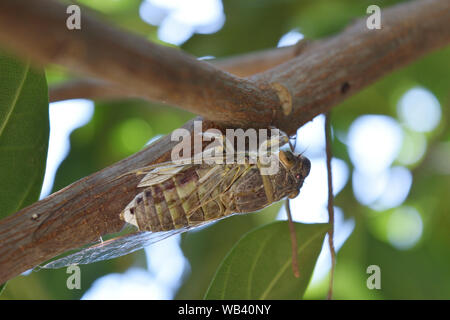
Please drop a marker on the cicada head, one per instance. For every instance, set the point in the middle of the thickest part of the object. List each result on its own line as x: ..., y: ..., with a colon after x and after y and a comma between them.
x: 298, y: 168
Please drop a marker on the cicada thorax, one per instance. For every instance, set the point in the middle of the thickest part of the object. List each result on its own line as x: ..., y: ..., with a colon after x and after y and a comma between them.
x: 248, y: 193
x: 254, y: 190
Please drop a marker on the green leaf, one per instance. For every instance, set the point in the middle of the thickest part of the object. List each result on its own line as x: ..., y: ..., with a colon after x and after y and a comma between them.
x: 2, y: 287
x: 24, y: 132
x: 259, y: 265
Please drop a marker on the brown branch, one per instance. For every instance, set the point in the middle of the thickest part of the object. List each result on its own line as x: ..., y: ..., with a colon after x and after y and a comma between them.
x: 255, y: 62
x: 240, y: 65
x: 315, y: 81
x: 322, y: 76
x: 38, y: 29
x: 332, y: 70
x: 87, y: 88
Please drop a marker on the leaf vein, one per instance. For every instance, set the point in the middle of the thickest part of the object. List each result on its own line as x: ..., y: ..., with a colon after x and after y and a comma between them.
x: 15, y: 99
x: 252, y: 269
x: 285, y: 266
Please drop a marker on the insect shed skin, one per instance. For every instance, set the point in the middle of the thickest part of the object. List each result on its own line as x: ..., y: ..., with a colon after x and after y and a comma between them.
x: 201, y: 193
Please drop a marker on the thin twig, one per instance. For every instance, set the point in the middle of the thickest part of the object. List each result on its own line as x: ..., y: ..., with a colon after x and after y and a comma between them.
x: 295, y: 268
x: 330, y: 204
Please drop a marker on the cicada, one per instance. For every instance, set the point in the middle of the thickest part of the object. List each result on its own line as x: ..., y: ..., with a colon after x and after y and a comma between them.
x: 175, y: 197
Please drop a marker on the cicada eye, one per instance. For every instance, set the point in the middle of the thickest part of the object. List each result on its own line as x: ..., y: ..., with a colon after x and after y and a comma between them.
x: 298, y: 177
x: 286, y: 160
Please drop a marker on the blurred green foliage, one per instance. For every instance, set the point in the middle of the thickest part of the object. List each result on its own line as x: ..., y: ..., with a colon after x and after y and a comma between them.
x: 259, y: 267
x: 23, y: 133
x: 420, y: 272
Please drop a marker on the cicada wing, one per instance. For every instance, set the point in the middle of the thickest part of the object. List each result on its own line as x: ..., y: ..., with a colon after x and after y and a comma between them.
x: 112, y: 248
x: 213, y: 182
x: 160, y: 172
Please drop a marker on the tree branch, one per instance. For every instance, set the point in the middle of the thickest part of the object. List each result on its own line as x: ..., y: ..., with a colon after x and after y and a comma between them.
x: 330, y: 71
x: 88, y: 88
x: 38, y: 29
x: 315, y: 81
x: 241, y: 65
x: 245, y: 65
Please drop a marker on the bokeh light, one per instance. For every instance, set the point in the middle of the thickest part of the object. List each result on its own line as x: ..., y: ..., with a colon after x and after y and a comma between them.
x: 342, y: 230
x: 178, y: 20
x: 384, y: 190
x: 311, y: 138
x: 413, y: 148
x: 65, y: 116
x: 290, y: 38
x: 396, y: 189
x: 165, y: 260
x: 368, y: 187
x: 404, y: 227
x: 419, y: 110
x: 131, y: 135
x: 134, y: 284
x: 374, y: 142
x: 166, y: 266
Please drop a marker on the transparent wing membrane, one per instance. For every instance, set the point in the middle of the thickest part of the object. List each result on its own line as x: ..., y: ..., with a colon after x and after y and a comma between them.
x: 112, y: 248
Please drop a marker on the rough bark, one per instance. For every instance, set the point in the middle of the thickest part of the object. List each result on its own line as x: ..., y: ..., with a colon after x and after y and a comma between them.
x: 87, y: 88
